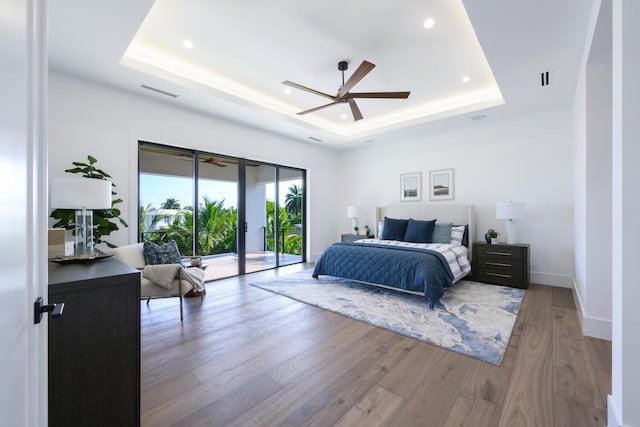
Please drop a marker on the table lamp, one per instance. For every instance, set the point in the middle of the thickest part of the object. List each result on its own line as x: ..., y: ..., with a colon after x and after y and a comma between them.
x: 83, y: 195
x: 352, y: 212
x: 510, y: 211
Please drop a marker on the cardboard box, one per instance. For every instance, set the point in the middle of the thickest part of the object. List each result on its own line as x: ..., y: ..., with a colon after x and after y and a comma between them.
x: 56, y: 242
x: 56, y: 236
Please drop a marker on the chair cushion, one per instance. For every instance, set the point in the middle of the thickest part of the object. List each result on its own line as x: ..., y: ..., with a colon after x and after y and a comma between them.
x: 165, y: 254
x: 150, y: 289
x: 131, y: 255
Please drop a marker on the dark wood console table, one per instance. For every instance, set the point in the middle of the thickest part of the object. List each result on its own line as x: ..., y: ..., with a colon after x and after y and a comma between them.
x: 94, y: 347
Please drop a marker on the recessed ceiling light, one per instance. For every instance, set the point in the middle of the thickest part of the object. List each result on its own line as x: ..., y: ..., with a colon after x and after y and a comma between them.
x: 429, y: 23
x: 187, y: 44
x: 287, y: 91
x: 479, y: 117
x: 465, y: 79
x: 343, y: 117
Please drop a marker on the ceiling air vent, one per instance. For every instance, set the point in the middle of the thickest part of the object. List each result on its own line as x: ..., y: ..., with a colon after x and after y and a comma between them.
x: 545, y: 78
x: 173, y: 95
x: 314, y: 139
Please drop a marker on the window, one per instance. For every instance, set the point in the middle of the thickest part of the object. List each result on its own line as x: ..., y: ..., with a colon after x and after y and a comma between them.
x: 249, y: 215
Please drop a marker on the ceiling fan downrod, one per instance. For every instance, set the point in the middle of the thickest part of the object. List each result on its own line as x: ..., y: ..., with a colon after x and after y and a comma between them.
x: 342, y: 66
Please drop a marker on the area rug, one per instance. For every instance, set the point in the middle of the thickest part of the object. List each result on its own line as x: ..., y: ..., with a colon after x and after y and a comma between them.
x: 472, y: 318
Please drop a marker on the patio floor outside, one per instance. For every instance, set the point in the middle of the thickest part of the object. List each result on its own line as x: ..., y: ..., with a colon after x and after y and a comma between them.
x: 226, y: 265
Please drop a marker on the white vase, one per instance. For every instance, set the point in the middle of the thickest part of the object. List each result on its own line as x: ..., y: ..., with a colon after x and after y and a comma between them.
x: 494, y: 240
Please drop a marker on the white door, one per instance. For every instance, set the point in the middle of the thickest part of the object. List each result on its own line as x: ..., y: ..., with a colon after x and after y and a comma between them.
x: 23, y: 212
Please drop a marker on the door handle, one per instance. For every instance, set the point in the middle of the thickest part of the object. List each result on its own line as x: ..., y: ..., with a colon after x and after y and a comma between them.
x: 39, y: 308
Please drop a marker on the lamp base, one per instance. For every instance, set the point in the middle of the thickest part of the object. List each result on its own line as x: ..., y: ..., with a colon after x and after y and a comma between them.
x: 510, y: 231
x: 84, y: 231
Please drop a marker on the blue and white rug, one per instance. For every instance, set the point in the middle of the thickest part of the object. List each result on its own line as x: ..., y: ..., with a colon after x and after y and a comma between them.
x: 472, y: 318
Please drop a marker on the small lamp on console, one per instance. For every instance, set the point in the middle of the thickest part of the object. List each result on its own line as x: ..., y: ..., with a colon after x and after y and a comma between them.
x: 81, y: 194
x: 352, y: 212
x: 510, y: 211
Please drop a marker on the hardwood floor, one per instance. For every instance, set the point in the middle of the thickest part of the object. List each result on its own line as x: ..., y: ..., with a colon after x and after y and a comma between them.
x: 248, y: 357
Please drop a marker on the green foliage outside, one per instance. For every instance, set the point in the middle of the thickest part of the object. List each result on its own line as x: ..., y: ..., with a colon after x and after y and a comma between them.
x: 217, y: 226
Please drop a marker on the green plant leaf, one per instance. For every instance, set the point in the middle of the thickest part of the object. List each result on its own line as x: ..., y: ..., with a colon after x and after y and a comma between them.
x: 102, y: 219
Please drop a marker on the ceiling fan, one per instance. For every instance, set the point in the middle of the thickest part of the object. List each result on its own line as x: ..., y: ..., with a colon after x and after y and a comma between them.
x: 210, y: 160
x: 344, y: 95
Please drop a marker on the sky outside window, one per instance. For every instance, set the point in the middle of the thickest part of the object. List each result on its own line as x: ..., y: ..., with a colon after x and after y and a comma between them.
x: 156, y: 189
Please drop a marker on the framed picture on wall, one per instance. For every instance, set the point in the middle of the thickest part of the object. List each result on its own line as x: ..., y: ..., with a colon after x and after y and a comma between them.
x: 411, y: 187
x: 441, y: 184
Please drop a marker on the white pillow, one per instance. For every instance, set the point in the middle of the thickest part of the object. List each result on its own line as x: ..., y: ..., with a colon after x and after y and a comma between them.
x: 457, y: 233
x: 131, y: 255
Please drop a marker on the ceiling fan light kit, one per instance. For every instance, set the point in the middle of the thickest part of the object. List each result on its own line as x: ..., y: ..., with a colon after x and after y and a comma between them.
x: 343, y: 95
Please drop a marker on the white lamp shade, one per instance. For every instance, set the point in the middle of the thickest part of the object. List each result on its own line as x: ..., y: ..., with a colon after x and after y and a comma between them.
x: 352, y: 211
x: 510, y: 210
x: 78, y: 193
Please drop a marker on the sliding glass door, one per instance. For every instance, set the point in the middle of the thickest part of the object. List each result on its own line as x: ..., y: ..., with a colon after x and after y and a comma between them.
x: 291, y: 205
x: 240, y: 215
x: 166, y: 197
x: 259, y: 209
x: 217, y: 218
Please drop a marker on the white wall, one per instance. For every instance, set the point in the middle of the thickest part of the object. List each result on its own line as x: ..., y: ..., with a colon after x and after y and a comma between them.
x: 592, y: 157
x: 85, y: 118
x: 527, y: 159
x: 597, y: 297
x: 623, y: 405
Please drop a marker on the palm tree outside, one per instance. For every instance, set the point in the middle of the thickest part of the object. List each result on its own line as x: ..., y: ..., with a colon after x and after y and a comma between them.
x: 293, y: 204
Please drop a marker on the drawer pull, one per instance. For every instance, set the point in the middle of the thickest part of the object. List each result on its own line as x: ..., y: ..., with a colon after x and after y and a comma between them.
x: 499, y: 253
x: 506, y: 276
x: 497, y: 264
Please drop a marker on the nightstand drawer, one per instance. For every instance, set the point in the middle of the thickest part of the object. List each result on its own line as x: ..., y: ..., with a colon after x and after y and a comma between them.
x: 353, y: 237
x: 504, y: 276
x: 499, y: 265
x: 501, y: 251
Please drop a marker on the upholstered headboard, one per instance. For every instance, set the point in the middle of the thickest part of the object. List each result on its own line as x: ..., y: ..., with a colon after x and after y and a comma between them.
x: 457, y: 214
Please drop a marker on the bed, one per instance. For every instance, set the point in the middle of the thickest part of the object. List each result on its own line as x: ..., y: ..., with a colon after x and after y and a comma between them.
x: 406, y: 259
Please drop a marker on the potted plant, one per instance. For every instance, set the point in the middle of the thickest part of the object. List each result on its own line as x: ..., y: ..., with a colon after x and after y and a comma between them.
x: 105, y: 221
x: 491, y: 236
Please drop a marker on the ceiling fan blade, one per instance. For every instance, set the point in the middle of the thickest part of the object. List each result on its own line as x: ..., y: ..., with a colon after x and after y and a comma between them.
x: 357, y: 115
x: 393, y: 95
x: 317, y: 108
x: 307, y: 89
x: 358, y: 75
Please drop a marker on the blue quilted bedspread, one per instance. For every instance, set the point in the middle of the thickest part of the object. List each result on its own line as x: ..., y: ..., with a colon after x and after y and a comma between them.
x: 411, y: 269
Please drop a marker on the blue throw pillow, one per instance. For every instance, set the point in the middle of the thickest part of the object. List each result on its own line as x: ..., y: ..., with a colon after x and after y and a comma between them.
x: 465, y: 236
x: 165, y: 254
x: 394, y: 229
x: 419, y: 231
x: 441, y: 233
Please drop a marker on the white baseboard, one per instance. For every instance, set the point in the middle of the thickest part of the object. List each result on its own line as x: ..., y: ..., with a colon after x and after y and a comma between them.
x: 613, y: 420
x: 592, y: 326
x: 559, y: 280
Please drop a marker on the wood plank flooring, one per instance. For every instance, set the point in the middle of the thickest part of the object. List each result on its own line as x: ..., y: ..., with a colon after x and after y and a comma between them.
x: 248, y: 357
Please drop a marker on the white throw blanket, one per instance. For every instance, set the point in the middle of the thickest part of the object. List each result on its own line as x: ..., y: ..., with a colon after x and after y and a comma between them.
x: 164, y: 275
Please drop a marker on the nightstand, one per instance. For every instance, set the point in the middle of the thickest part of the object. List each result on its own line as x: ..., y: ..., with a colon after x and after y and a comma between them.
x: 353, y: 237
x: 501, y: 264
